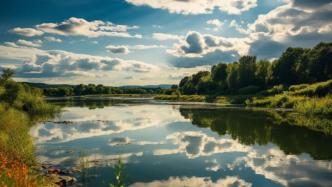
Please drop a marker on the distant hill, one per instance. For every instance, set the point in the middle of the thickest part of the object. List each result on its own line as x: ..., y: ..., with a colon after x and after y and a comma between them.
x: 43, y: 85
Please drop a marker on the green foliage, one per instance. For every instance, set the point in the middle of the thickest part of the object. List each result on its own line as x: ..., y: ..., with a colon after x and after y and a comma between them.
x: 6, y: 75
x: 318, y: 89
x: 92, y: 89
x: 20, y: 106
x: 119, y: 175
x: 14, y: 138
x: 277, y: 101
x: 295, y: 66
x: 251, y: 89
x: 277, y: 89
x: 315, y: 106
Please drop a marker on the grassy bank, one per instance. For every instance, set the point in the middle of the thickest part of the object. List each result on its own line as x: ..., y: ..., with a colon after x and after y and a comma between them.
x: 307, y: 99
x: 20, y: 108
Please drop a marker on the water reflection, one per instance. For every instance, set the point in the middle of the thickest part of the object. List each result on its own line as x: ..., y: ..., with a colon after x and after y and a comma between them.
x: 260, y: 127
x: 164, y: 145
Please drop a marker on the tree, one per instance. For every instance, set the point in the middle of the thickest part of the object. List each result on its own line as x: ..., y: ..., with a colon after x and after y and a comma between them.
x: 289, y: 65
x: 7, y: 74
x: 262, y: 73
x: 320, y: 62
x: 232, y: 74
x: 219, y: 72
x: 246, y: 71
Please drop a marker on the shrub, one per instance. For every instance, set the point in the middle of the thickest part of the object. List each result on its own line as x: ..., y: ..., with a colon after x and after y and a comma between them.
x: 274, y: 90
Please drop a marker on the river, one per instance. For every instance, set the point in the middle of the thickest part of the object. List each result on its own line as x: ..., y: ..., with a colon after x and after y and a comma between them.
x: 163, y: 144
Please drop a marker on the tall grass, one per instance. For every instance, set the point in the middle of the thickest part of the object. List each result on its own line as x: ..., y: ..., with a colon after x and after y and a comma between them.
x: 317, y: 89
x: 315, y: 106
x: 20, y: 107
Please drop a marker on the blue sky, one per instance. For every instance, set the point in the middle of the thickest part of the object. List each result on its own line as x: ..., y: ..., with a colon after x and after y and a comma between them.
x: 121, y: 42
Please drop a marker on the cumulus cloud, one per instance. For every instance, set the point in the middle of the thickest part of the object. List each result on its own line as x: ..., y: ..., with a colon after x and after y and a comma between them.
x: 296, y: 23
x: 80, y: 27
x: 165, y: 36
x: 29, y: 32
x: 56, y: 63
x: 197, y: 49
x: 53, y: 39
x: 35, y: 43
x: 290, y: 25
x: 127, y: 48
x: 117, y: 49
x: 217, y: 24
x: 198, y: 6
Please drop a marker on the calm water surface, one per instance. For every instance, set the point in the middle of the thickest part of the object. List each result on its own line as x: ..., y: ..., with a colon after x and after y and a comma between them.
x: 177, y: 145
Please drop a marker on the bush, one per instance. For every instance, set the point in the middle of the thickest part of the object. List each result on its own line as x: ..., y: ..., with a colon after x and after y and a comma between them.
x: 278, y: 89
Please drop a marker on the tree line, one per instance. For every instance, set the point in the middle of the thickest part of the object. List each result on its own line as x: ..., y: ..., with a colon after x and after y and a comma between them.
x: 249, y: 75
x: 93, y: 89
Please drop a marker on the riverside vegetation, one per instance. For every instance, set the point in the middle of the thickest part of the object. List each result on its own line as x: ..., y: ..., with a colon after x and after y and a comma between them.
x: 301, y: 79
x: 20, y: 107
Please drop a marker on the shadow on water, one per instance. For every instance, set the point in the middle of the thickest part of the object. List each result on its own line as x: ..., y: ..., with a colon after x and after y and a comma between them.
x: 251, y: 127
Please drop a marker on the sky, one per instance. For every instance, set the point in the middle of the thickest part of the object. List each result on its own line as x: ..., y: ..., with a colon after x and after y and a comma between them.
x: 144, y: 42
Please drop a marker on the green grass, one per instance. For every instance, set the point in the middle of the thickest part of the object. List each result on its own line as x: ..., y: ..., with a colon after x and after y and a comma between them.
x: 277, y: 101
x: 320, y: 89
x: 20, y: 108
x: 307, y: 99
x: 315, y: 106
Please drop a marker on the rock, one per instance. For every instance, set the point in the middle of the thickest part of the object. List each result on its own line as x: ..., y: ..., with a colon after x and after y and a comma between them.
x: 62, y: 180
x: 53, y: 171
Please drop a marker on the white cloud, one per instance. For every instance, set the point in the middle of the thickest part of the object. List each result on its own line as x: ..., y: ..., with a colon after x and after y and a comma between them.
x: 81, y: 27
x: 35, y: 43
x: 165, y: 36
x: 53, y: 39
x: 29, y: 32
x: 125, y: 49
x: 294, y: 24
x: 217, y: 24
x: 198, y: 49
x: 55, y: 63
x: 198, y: 6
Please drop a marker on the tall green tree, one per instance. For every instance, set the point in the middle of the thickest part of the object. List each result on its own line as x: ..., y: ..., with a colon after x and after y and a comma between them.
x: 246, y: 71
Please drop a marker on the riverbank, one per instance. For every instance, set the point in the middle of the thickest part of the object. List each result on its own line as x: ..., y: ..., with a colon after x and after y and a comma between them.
x: 21, y: 107
x: 307, y: 99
